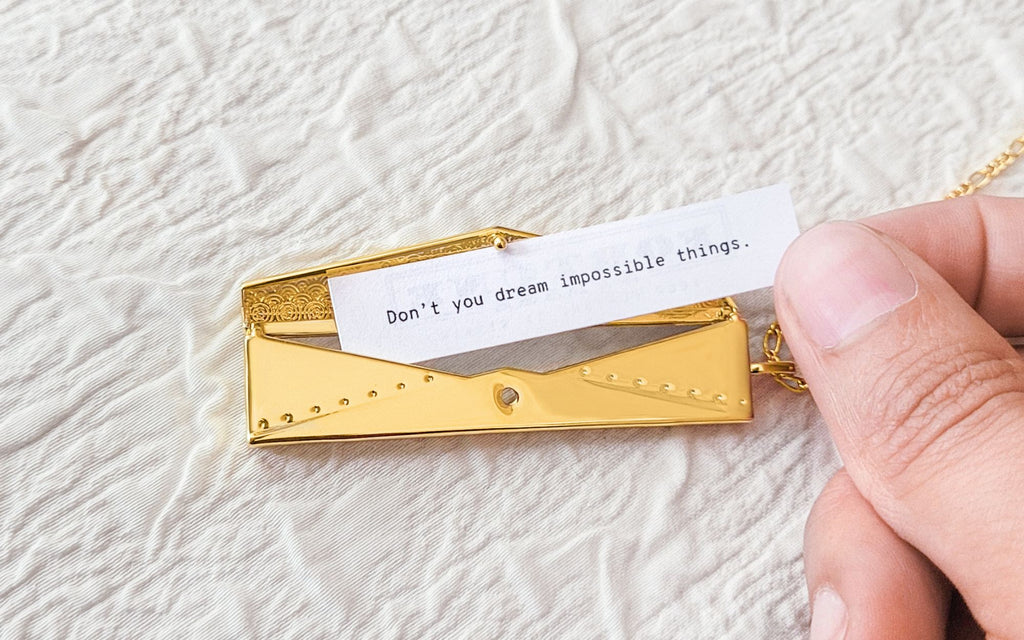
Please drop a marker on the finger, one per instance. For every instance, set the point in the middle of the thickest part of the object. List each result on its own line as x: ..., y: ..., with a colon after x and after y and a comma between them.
x: 925, y: 402
x: 976, y: 245
x: 863, y: 578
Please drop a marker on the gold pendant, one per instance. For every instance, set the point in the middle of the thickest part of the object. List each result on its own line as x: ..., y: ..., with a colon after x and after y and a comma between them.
x: 298, y: 392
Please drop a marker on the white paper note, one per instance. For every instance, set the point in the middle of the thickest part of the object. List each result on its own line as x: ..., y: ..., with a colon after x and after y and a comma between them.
x: 564, y: 281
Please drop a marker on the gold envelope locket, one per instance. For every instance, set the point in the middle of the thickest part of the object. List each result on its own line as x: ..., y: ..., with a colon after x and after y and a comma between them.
x: 300, y: 392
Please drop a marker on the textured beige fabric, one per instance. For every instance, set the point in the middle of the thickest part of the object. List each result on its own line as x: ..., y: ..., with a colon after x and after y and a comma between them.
x: 154, y: 155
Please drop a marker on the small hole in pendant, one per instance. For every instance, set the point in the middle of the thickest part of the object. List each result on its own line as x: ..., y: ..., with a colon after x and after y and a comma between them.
x: 508, y: 396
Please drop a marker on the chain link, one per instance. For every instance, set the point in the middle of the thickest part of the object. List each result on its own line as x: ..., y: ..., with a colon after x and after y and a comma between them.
x: 983, y: 176
x: 782, y: 371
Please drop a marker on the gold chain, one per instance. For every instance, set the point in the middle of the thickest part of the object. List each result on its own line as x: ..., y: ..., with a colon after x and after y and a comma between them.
x: 983, y: 176
x: 784, y: 372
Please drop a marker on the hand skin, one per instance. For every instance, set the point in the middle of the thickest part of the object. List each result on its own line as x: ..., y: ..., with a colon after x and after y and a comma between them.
x: 898, y: 323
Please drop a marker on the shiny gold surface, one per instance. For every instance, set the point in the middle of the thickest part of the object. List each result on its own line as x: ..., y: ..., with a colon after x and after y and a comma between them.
x: 299, y: 392
x: 299, y: 303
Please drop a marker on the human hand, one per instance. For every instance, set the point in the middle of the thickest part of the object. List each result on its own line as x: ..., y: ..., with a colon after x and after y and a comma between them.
x: 897, y: 325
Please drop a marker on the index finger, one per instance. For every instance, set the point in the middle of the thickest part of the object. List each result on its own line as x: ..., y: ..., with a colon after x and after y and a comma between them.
x: 976, y: 244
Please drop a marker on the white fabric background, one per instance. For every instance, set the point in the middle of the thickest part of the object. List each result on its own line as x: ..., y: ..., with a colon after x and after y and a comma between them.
x: 155, y: 155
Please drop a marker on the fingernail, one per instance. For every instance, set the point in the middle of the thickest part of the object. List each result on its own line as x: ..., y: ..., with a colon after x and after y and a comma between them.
x: 840, y: 276
x: 828, y: 615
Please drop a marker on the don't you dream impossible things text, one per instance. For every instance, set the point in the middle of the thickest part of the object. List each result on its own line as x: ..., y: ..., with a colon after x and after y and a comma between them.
x: 625, y: 268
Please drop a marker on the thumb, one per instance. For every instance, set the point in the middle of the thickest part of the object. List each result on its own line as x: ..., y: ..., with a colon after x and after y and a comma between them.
x: 925, y: 402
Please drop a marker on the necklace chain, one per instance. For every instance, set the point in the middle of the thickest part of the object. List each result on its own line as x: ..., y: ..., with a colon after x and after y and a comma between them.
x: 983, y: 176
x: 772, y: 342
